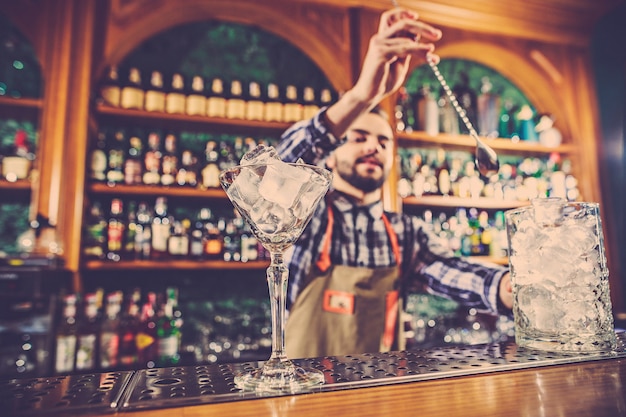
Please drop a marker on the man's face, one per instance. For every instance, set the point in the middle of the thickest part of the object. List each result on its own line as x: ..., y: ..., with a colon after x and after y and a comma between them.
x: 364, y: 161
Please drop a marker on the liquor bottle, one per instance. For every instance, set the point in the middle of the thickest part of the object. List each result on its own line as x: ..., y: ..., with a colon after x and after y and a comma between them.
x: 232, y: 241
x: 115, y: 157
x: 132, y: 95
x: 129, y: 327
x: 110, y: 332
x: 213, y: 242
x: 467, y: 99
x: 178, y: 242
x: 211, y: 171
x: 404, y: 113
x: 326, y: 97
x: 216, y: 101
x: 115, y: 231
x: 442, y: 172
x: 196, y: 236
x: 130, y: 232
x: 273, y: 105
x: 161, y: 229
x: 133, y: 164
x: 65, y: 342
x: 310, y: 106
x: 427, y: 111
x: 292, y: 108
x: 95, y: 239
x: 88, y: 331
x: 169, y: 163
x: 175, y: 98
x: 152, y: 160
x: 110, y: 91
x: 488, y: 107
x: 196, y: 101
x: 98, y: 159
x: 155, y: 96
x: 187, y: 175
x: 168, y: 323
x: 235, y: 104
x: 249, y: 244
x: 255, y: 107
x: 226, y: 157
x: 143, y: 232
x: 147, y: 347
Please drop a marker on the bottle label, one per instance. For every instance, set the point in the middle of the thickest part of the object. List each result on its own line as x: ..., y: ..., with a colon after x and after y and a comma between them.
x: 216, y: 107
x: 292, y: 112
x: 98, y: 165
x: 111, y: 95
x: 196, y: 105
x: 160, y: 236
x: 175, y: 103
x: 255, y: 110
x: 155, y: 101
x: 273, y: 112
x: 132, y: 172
x: 132, y: 98
x: 115, y: 232
x: 196, y: 248
x: 309, y: 111
x: 236, y: 108
x: 210, y: 176
x: 178, y: 245
x: 66, y: 348
x: 213, y: 247
x: 86, y: 352
x: 109, y: 344
x: 168, y: 346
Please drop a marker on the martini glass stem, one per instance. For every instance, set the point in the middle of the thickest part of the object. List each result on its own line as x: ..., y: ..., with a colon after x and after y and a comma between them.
x: 277, y: 275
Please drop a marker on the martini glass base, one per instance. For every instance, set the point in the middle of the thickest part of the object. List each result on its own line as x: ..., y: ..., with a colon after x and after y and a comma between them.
x: 284, y: 378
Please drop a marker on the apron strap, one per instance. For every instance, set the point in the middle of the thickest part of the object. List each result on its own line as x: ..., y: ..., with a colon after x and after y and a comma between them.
x: 323, y: 262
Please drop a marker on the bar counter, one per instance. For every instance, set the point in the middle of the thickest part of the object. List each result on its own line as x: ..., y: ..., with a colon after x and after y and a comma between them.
x: 498, y: 379
x: 591, y: 389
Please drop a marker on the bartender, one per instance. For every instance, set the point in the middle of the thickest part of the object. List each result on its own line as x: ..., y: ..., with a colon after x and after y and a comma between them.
x: 355, y: 261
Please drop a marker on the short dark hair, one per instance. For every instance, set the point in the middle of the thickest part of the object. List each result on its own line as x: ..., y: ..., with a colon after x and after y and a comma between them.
x: 379, y: 111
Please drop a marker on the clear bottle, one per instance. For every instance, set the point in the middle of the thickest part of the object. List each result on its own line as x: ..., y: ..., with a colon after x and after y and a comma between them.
x: 175, y: 99
x: 115, y: 158
x: 132, y: 96
x: 196, y: 100
x: 143, y: 232
x: 95, y: 238
x: 65, y: 338
x: 488, y: 107
x: 216, y: 101
x: 155, y: 96
x: 310, y: 106
x: 152, y: 160
x: 178, y: 242
x: 255, y: 107
x: 133, y: 163
x: 273, y: 104
x: 188, y: 173
x: 147, y: 346
x: 170, y: 162
x: 115, y: 231
x: 130, y: 232
x: 292, y: 107
x: 427, y: 111
x: 128, y: 329
x: 110, y: 332
x: 110, y: 90
x: 236, y: 105
x: 87, y: 340
x: 211, y: 171
x: 161, y: 229
x: 98, y: 159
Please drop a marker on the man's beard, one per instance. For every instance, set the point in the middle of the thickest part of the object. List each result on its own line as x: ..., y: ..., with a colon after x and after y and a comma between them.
x: 365, y: 184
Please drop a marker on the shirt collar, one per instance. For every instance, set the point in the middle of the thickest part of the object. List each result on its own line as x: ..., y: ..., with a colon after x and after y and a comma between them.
x: 344, y: 204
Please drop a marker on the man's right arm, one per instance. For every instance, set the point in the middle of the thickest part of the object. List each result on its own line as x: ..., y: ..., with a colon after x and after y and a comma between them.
x: 309, y: 140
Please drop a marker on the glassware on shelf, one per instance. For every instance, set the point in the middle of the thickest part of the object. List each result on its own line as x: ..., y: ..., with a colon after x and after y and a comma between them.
x: 277, y: 199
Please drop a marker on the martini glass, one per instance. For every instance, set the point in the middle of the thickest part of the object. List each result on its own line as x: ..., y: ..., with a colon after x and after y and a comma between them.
x: 277, y: 200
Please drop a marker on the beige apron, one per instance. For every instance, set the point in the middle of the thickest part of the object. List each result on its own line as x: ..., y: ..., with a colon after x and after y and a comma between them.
x: 345, y: 309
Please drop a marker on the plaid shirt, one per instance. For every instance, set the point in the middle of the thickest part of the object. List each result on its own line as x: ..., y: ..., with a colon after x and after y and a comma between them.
x: 359, y: 237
